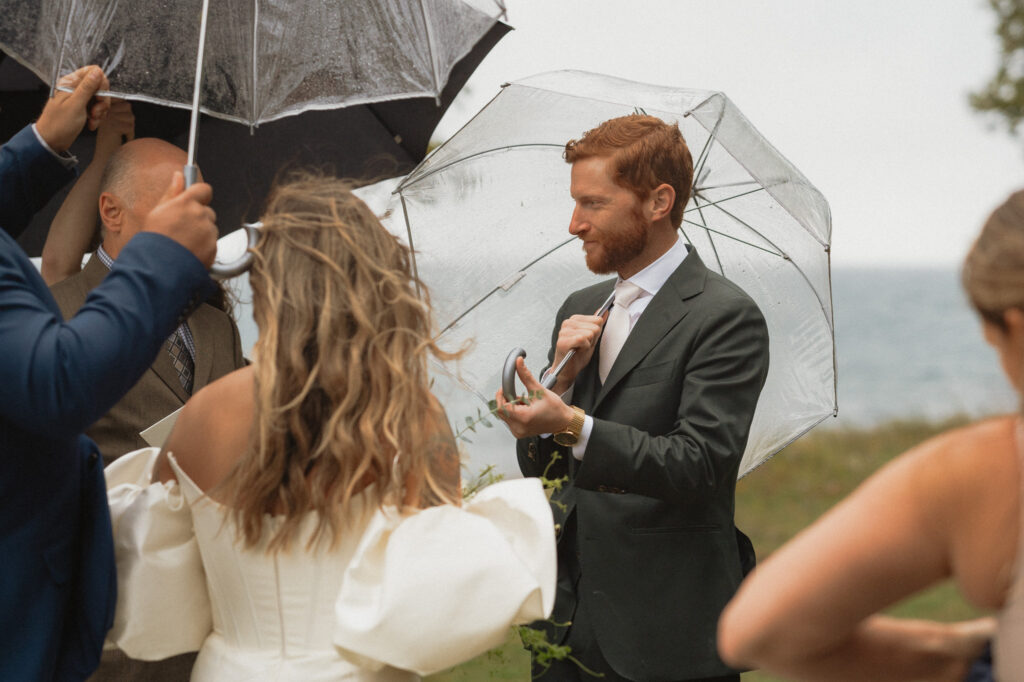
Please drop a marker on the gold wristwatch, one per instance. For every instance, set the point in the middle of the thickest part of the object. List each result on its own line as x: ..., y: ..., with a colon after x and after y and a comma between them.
x: 570, y: 435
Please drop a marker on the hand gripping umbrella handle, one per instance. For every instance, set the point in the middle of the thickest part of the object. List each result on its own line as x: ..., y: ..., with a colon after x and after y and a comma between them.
x: 508, y: 372
x: 243, y: 262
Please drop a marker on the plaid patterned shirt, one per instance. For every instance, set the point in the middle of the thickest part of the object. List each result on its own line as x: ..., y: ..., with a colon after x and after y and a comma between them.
x: 183, y: 331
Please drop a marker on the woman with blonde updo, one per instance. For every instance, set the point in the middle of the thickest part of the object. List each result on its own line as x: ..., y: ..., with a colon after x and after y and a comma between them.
x: 320, y: 485
x: 949, y: 508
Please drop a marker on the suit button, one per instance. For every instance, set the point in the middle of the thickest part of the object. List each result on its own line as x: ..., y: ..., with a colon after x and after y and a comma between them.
x: 531, y: 451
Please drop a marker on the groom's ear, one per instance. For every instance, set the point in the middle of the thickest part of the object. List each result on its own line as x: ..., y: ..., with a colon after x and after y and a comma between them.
x: 660, y: 202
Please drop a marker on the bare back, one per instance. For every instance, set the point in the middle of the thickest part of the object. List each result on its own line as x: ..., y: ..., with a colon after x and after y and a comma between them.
x: 976, y: 480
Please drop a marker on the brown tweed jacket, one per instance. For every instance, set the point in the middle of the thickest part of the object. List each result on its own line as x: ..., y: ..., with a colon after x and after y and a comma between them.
x: 158, y: 392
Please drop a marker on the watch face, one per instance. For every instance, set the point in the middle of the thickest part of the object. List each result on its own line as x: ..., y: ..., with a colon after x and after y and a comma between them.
x: 566, y: 438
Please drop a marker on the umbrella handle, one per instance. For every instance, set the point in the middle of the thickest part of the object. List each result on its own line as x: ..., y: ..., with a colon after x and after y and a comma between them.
x: 508, y: 373
x: 244, y: 262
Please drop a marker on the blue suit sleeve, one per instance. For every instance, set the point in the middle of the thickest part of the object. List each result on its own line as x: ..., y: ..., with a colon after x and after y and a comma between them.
x: 59, y: 377
x: 62, y: 376
x: 29, y: 176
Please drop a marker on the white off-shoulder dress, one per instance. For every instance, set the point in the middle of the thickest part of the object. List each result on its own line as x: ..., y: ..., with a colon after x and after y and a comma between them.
x: 396, y: 598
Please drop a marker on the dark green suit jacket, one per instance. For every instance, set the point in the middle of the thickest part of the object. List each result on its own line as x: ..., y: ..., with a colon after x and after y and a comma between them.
x: 652, y: 500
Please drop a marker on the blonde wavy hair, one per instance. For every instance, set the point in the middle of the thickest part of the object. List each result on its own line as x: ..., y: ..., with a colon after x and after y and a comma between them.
x: 342, y: 391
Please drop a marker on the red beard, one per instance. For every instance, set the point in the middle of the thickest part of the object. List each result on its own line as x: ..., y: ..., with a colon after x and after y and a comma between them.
x: 617, y: 249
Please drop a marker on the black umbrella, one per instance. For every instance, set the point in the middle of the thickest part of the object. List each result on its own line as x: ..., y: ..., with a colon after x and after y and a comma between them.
x: 367, y: 141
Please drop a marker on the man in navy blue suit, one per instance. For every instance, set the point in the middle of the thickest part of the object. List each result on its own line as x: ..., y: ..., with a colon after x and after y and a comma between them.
x: 57, y: 580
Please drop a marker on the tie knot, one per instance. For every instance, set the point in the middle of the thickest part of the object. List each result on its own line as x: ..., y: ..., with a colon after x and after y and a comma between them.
x: 626, y: 292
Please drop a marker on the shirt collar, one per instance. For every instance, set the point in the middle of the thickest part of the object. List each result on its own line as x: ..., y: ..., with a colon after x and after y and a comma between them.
x: 104, y: 257
x: 654, y: 276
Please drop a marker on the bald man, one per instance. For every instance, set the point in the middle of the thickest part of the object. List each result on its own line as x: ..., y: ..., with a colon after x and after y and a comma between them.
x: 203, y: 348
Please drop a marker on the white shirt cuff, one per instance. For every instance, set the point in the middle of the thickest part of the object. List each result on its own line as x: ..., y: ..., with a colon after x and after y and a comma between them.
x: 581, y: 444
x: 67, y: 159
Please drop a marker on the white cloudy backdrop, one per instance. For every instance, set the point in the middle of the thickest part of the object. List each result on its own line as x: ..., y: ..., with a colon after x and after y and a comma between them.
x: 867, y: 97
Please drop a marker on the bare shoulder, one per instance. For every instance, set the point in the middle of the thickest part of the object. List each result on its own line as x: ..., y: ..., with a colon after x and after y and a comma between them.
x: 213, y: 429
x: 968, y: 483
x: 960, y: 471
x: 971, y: 454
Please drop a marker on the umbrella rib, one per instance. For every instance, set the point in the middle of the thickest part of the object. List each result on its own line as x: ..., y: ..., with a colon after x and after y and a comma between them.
x: 495, y: 289
x: 434, y: 65
x: 686, y: 236
x: 706, y: 151
x: 704, y: 188
x: 760, y: 188
x: 821, y: 303
x: 714, y: 249
x: 402, y: 185
x: 702, y: 157
x: 735, y: 239
x: 472, y: 156
x: 412, y: 248
x: 63, y: 46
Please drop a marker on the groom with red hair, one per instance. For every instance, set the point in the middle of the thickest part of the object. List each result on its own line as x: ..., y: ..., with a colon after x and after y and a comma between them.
x: 648, y: 421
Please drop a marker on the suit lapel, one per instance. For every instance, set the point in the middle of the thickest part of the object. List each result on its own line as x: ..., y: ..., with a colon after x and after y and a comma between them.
x: 668, y: 307
x: 93, y: 273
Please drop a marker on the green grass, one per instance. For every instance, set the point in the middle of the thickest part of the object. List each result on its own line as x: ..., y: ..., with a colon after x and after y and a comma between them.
x: 774, y: 502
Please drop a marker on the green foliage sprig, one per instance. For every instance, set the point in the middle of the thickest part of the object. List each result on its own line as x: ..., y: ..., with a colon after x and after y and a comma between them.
x: 542, y: 650
x: 544, y: 653
x: 492, y: 410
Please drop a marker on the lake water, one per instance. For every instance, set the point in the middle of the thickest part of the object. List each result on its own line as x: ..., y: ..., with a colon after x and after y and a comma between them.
x: 909, y: 345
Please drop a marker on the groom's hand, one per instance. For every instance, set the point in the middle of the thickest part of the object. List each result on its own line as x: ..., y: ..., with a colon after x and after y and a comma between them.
x: 539, y: 411
x: 579, y: 333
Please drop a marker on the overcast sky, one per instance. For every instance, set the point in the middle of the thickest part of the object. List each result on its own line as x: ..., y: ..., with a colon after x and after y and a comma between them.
x: 867, y: 97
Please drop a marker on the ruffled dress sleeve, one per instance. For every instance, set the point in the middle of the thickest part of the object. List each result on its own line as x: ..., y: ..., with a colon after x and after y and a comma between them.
x: 163, y: 607
x: 462, y: 574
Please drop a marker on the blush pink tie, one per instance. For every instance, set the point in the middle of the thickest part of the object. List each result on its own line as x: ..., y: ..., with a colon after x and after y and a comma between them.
x: 616, y: 328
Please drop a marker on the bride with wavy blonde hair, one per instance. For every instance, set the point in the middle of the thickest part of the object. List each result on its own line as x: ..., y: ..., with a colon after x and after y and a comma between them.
x: 340, y: 369
x: 319, y: 487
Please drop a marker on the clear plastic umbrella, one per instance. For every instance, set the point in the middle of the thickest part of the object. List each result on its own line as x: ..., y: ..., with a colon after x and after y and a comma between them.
x: 488, y: 212
x: 250, y: 61
x: 264, y: 59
